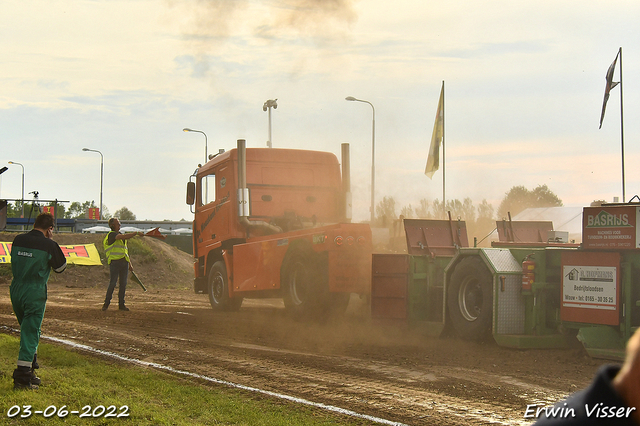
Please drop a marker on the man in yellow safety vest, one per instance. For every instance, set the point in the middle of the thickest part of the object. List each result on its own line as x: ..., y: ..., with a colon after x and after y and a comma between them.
x: 115, y: 247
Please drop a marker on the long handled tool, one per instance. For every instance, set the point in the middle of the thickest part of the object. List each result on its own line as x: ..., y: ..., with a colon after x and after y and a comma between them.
x: 137, y: 280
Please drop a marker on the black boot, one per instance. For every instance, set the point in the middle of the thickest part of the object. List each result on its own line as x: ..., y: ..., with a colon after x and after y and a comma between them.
x: 22, y: 378
x: 34, y: 364
x: 35, y: 380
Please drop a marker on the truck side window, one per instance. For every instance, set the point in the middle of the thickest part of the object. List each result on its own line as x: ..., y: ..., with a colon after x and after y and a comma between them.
x: 208, y: 188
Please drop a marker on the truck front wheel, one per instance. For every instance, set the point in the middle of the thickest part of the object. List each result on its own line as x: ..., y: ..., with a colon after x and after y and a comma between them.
x: 469, y: 299
x: 218, y: 289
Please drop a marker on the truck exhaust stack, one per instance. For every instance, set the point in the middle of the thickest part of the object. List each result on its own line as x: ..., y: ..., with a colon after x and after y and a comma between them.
x: 346, y: 181
x: 244, y: 209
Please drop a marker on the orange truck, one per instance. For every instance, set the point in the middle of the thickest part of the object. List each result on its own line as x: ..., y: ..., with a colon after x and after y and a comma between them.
x: 276, y: 223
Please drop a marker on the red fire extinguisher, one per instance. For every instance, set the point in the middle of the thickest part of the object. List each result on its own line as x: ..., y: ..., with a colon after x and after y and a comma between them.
x: 528, y: 268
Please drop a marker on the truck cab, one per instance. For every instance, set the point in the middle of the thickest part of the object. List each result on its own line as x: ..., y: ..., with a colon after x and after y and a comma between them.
x: 258, y: 212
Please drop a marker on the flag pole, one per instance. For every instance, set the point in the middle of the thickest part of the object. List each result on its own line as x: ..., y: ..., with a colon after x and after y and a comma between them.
x: 444, y: 202
x: 624, y: 199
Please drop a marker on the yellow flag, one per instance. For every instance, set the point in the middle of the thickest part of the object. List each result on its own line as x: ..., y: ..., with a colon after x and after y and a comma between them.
x: 433, y: 160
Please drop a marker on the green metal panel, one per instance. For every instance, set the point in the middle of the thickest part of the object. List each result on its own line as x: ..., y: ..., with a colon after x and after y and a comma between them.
x: 602, y: 341
x: 426, y: 285
x: 425, y: 293
x: 419, y: 271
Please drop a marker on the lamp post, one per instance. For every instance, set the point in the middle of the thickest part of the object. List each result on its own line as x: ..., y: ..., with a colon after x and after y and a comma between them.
x: 271, y: 103
x: 373, y: 154
x: 206, y: 158
x: 22, y: 200
x: 101, y: 174
x: 2, y: 170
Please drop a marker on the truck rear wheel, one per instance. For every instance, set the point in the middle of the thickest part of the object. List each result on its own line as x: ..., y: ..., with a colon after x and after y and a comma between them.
x: 218, y: 289
x: 304, y: 286
x: 470, y: 299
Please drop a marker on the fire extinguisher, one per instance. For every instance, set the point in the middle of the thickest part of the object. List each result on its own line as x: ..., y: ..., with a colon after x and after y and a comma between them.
x: 528, y: 268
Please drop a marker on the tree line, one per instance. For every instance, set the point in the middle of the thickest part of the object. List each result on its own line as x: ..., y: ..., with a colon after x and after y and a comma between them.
x: 75, y: 210
x: 480, y: 219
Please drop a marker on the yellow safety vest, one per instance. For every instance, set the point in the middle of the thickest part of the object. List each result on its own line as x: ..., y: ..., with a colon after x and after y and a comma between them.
x: 117, y: 250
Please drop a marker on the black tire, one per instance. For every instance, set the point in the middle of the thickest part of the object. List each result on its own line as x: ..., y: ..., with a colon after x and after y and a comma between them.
x: 304, y: 284
x: 218, y: 289
x: 470, y: 299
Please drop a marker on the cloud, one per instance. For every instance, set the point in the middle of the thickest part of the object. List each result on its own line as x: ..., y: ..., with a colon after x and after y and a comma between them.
x: 524, y: 84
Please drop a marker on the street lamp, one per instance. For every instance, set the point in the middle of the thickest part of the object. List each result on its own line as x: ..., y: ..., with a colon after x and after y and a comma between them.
x: 206, y: 158
x: 101, y: 174
x: 19, y: 164
x: 271, y: 103
x: 373, y: 154
x: 2, y: 170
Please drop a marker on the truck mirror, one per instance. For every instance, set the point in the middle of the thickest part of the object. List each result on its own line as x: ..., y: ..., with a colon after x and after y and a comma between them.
x: 191, y: 193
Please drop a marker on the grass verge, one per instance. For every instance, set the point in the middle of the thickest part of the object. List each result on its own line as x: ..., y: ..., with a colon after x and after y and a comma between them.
x: 75, y: 381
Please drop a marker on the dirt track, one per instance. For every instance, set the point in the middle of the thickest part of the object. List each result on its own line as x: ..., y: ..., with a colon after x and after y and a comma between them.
x: 376, y: 369
x: 383, y: 371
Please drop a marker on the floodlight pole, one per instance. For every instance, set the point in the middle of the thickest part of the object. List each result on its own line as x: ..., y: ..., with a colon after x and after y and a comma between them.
x: 206, y: 158
x: 101, y: 175
x: 22, y: 200
x: 373, y: 154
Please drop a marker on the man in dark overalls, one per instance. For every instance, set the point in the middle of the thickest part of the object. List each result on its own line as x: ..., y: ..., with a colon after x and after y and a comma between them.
x: 33, y: 255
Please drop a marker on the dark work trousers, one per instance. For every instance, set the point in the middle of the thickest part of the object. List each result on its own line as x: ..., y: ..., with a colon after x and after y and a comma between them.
x: 118, y: 269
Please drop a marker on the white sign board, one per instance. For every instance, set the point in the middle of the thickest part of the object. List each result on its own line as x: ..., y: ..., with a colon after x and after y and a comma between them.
x: 591, y: 287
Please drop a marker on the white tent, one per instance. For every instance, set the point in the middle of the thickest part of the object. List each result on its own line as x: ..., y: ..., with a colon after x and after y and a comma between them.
x: 96, y: 229
x: 568, y: 219
x: 126, y: 229
x: 182, y: 231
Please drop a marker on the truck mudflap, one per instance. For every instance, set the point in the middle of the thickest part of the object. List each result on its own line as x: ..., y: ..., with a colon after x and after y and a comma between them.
x: 200, y: 285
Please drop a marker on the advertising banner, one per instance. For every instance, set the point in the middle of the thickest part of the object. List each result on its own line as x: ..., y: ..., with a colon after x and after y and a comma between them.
x: 590, y: 287
x: 613, y: 228
x: 93, y: 213
x: 80, y: 254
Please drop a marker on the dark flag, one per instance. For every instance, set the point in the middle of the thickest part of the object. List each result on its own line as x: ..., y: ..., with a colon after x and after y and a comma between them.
x: 610, y: 85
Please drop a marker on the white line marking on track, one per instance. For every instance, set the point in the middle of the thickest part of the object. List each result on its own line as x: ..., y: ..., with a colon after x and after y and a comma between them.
x: 320, y: 405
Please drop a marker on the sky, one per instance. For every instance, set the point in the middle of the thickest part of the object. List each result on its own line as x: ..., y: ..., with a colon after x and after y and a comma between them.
x: 524, y: 84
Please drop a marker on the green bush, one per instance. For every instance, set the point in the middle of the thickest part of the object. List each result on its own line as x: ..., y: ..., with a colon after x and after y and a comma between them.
x: 141, y: 250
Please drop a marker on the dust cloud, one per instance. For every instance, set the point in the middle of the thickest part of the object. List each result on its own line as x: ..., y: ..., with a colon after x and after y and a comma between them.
x: 209, y: 23
x: 317, y: 19
x: 350, y: 331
